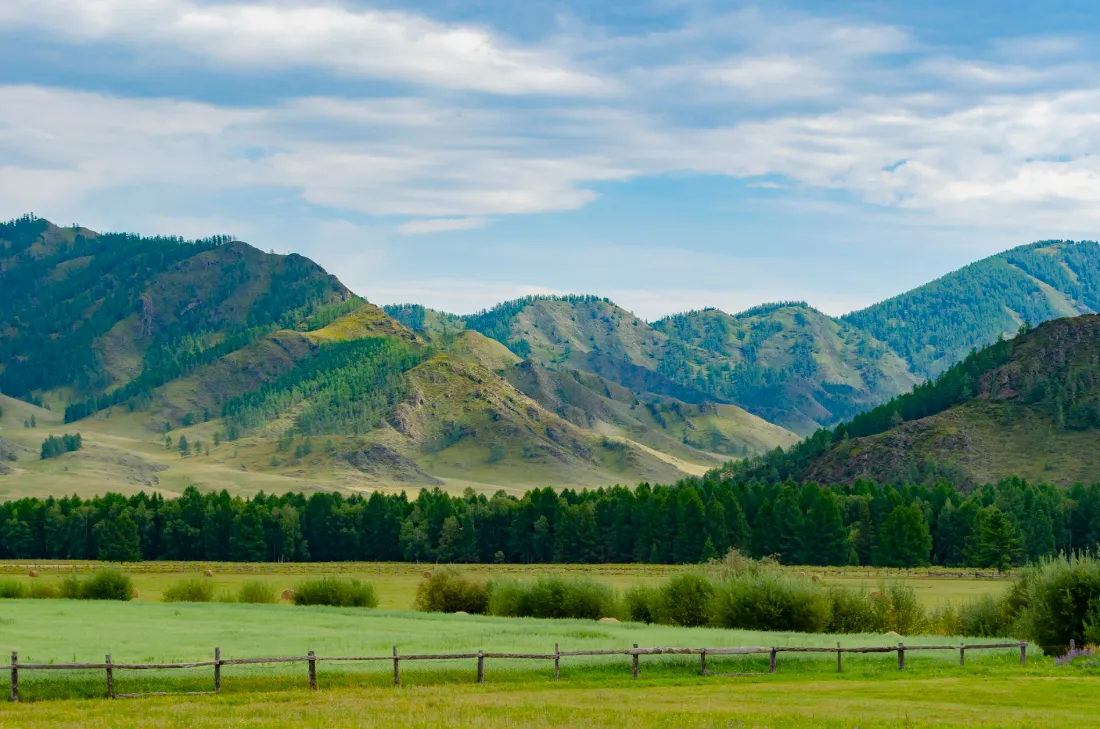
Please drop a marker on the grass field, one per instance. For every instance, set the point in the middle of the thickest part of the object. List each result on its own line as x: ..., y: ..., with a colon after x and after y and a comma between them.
x: 396, y: 583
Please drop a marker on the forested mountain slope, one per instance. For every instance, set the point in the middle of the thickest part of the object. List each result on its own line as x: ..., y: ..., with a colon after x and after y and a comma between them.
x: 1029, y: 406
x: 937, y: 324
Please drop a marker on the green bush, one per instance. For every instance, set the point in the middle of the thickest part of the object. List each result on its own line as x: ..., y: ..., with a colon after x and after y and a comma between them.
x: 336, y: 591
x: 899, y: 610
x: 70, y: 587
x: 107, y: 584
x: 194, y: 589
x: 552, y: 597
x: 642, y: 604
x: 1063, y: 602
x: 851, y: 611
x: 772, y: 601
x: 42, y: 590
x: 686, y: 600
x: 449, y: 591
x: 987, y: 617
x: 12, y: 590
x: 257, y: 592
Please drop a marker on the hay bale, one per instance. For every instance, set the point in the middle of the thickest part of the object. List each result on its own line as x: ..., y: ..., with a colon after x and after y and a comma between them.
x: 609, y: 620
x: 892, y: 633
x: 32, y: 573
x: 134, y: 594
x: 288, y: 595
x: 817, y: 578
x: 427, y: 574
x: 208, y: 573
x: 875, y: 595
x: 461, y: 612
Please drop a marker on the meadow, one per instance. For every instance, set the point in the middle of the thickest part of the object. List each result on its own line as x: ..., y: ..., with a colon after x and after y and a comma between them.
x: 397, y: 582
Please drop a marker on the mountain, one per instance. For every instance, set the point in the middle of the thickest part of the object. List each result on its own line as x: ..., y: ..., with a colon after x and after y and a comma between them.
x: 1028, y: 407
x: 937, y: 324
x: 786, y: 363
x: 213, y: 363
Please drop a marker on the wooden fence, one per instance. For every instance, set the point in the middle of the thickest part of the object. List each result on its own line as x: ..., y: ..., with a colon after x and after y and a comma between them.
x: 312, y: 660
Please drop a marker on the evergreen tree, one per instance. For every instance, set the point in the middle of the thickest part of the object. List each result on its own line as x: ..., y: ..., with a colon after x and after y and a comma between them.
x: 997, y: 541
x: 691, y: 528
x: 904, y: 539
x: 789, y: 527
x: 1039, y: 528
x: 247, y: 542
x: 184, y: 448
x: 826, y: 537
x: 764, y: 542
x: 863, y: 531
x: 118, y: 539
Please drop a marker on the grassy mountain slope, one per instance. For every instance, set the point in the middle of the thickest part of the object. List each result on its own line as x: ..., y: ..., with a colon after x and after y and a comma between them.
x: 935, y: 325
x: 1028, y: 406
x: 787, y: 363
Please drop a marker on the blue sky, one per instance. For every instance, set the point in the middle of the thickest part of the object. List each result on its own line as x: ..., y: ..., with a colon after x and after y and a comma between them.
x: 670, y: 154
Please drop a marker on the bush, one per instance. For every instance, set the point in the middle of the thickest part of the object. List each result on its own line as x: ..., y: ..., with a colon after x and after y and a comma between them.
x: 899, y: 610
x: 686, y: 600
x: 552, y: 597
x: 70, y: 587
x: 642, y: 604
x: 988, y: 617
x: 42, y: 591
x: 851, y: 611
x: 449, y: 591
x: 12, y: 590
x: 1064, y: 602
x: 195, y: 589
x: 735, y: 564
x: 772, y: 601
x: 257, y: 592
x: 336, y: 591
x: 107, y: 584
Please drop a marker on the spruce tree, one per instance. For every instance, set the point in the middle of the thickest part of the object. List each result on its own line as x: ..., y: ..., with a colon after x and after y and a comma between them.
x: 691, y: 527
x: 789, y: 527
x: 997, y: 541
x: 826, y: 538
x: 764, y: 542
x: 118, y: 539
x: 904, y: 539
x: 246, y: 539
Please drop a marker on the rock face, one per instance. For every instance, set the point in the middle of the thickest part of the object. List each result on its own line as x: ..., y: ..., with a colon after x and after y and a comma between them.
x: 378, y: 460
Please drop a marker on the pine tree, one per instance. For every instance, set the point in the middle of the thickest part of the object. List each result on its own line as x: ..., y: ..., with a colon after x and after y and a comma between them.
x: 997, y: 541
x: 691, y: 528
x: 764, y: 543
x: 246, y: 539
x: 904, y: 539
x: 118, y: 539
x: 826, y: 538
x: 184, y: 448
x: 789, y: 527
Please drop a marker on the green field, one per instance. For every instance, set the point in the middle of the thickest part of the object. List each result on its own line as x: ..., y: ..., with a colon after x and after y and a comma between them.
x: 396, y: 582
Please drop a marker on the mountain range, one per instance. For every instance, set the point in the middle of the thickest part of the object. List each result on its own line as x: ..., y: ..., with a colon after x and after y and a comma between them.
x: 287, y: 380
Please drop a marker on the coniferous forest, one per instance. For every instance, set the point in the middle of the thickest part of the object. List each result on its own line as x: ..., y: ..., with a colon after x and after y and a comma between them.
x: 994, y: 526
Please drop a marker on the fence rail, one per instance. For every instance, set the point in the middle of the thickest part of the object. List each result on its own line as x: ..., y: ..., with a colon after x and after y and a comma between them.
x: 312, y: 660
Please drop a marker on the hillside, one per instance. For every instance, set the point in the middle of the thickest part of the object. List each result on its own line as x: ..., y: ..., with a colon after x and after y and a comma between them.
x: 937, y: 324
x: 1029, y: 406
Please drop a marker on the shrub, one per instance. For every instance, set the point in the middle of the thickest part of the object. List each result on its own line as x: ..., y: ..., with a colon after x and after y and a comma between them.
x: 851, y: 611
x: 70, y: 588
x: 42, y: 591
x: 641, y: 604
x: 107, y: 584
x: 12, y: 590
x: 686, y: 600
x: 257, y: 592
x: 335, y: 591
x: 899, y: 609
x: 987, y: 617
x: 772, y: 601
x: 735, y: 564
x: 552, y: 597
x: 194, y: 589
x: 449, y: 591
x: 1063, y: 601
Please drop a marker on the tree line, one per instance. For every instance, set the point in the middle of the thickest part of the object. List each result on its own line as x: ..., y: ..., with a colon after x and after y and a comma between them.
x: 864, y: 523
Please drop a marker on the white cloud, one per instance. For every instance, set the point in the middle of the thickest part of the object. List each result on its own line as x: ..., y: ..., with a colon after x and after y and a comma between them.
x: 441, y: 225
x: 371, y: 43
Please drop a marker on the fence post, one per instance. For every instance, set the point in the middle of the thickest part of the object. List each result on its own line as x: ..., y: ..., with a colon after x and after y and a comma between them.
x: 481, y: 666
x: 962, y: 654
x: 771, y: 662
x: 312, y: 670
x: 14, y: 676
x: 110, y: 678
x: 396, y: 669
x: 635, y: 661
x: 901, y: 656
x: 557, y: 660
x: 1023, y: 652
x: 839, y: 664
x: 703, y: 661
x: 217, y: 670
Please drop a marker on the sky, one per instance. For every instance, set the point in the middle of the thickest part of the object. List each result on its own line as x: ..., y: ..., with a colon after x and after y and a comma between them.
x: 668, y: 154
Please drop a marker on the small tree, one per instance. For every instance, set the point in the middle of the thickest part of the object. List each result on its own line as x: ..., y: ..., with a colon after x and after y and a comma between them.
x: 997, y: 541
x: 185, y: 449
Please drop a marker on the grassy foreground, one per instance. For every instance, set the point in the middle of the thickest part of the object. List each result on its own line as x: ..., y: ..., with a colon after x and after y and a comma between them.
x: 777, y: 702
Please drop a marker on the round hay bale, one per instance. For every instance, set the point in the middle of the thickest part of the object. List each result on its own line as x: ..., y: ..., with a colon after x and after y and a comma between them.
x: 817, y: 578
x: 892, y: 633
x: 875, y: 595
x: 134, y: 594
x: 609, y: 620
x: 32, y: 573
x: 208, y: 573
x: 288, y: 595
x: 427, y: 574
x: 461, y: 612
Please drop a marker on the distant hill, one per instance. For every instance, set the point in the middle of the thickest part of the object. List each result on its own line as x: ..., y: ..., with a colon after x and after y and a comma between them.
x: 1029, y: 406
x: 936, y: 325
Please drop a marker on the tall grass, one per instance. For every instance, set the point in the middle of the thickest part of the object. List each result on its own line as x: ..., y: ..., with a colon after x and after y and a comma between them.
x: 257, y: 592
x: 336, y: 591
x: 194, y: 589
